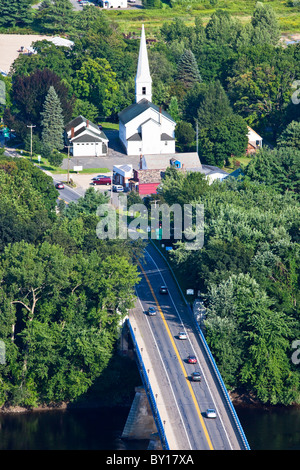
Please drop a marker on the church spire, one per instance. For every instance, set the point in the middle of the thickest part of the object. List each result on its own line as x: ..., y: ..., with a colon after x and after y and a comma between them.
x: 143, y: 81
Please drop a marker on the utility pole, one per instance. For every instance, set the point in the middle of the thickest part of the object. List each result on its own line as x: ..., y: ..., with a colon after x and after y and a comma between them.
x: 68, y: 147
x: 31, y: 141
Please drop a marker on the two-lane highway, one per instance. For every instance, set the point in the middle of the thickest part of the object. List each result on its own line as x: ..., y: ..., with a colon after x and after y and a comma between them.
x: 191, y: 399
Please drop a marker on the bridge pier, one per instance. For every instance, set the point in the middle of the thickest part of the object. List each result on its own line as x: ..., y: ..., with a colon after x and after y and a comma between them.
x: 140, y: 422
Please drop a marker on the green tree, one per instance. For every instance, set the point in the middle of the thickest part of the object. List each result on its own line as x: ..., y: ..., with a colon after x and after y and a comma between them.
x: 279, y: 168
x: 188, y: 71
x: 57, y: 16
x: 214, y: 105
x: 52, y: 121
x: 265, y: 25
x: 290, y: 137
x: 173, y: 109
x: 15, y: 12
x: 96, y: 82
x: 185, y: 134
x: 222, y: 28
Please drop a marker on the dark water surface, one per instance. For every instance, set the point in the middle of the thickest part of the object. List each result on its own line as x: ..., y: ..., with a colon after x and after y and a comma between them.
x: 101, y: 429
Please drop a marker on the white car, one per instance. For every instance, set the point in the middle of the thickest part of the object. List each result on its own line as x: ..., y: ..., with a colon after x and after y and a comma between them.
x: 182, y: 335
x: 118, y: 188
x: 210, y: 413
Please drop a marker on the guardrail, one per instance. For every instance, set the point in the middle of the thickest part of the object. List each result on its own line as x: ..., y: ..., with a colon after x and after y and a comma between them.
x: 148, y: 389
x: 210, y: 356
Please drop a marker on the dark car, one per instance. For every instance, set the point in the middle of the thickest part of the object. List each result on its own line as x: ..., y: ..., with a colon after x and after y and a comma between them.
x: 59, y: 186
x: 192, y: 359
x: 152, y: 311
x: 196, y: 377
x: 102, y: 180
x: 163, y: 290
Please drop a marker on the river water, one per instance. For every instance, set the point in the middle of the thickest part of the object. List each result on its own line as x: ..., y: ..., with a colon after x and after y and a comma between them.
x: 101, y: 429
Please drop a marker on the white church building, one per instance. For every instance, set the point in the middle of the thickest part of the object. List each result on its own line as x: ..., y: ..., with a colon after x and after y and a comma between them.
x: 145, y: 128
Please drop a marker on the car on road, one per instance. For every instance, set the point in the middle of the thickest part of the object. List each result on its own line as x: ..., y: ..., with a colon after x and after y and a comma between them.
x: 192, y: 359
x: 59, y: 186
x: 101, y: 180
x: 210, y: 413
x: 182, y: 335
x: 117, y: 188
x: 196, y: 377
x: 163, y: 290
x: 152, y: 311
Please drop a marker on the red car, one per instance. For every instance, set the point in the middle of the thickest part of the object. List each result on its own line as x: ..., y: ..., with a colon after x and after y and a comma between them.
x: 192, y: 360
x: 102, y: 180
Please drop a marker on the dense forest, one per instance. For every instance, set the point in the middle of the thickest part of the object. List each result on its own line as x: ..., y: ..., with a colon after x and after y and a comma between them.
x: 62, y: 288
x: 63, y: 291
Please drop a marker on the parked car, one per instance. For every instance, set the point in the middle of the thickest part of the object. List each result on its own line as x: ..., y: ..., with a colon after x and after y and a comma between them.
x: 196, y: 377
x: 102, y: 180
x: 99, y: 176
x: 192, y: 359
x: 182, y: 335
x: 117, y: 188
x: 210, y: 413
x: 59, y: 186
x: 163, y: 290
x: 151, y: 311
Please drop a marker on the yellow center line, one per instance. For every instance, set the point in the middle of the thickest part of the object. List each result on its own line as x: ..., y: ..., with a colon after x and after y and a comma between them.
x: 179, y: 359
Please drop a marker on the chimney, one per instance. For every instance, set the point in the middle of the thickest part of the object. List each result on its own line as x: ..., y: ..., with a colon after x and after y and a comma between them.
x: 87, y: 123
x: 72, y: 132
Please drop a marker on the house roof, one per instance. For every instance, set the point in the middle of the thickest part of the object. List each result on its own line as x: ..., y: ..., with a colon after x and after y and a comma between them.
x: 165, y: 136
x: 149, y: 176
x: 89, y: 131
x: 87, y: 138
x: 135, y: 137
x: 78, y: 120
x: 189, y: 160
x: 136, y: 109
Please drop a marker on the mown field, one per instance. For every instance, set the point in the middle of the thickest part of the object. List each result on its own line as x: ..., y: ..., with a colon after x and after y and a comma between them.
x: 288, y: 12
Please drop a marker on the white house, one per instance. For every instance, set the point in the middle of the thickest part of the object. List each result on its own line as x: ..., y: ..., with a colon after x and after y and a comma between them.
x: 143, y: 126
x: 113, y: 3
x: 254, y: 141
x: 85, y: 138
x: 122, y: 174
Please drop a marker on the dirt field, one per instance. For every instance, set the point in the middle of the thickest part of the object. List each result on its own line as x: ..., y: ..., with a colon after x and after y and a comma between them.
x: 9, y: 45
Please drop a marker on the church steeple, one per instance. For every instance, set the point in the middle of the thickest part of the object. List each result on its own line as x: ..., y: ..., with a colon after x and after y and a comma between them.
x: 143, y: 81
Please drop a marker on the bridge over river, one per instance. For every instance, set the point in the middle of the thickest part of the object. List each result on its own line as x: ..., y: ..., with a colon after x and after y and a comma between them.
x: 177, y: 403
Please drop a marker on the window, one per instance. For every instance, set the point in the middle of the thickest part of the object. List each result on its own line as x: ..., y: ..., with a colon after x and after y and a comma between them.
x: 143, y: 90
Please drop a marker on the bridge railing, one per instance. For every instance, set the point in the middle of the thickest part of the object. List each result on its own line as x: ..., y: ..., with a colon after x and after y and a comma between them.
x: 148, y: 389
x: 221, y: 382
x: 212, y: 361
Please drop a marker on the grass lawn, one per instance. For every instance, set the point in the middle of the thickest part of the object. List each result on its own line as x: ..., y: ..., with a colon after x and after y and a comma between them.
x: 231, y: 167
x: 132, y: 20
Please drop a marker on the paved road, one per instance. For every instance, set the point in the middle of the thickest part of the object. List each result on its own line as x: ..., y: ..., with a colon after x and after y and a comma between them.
x: 190, y: 399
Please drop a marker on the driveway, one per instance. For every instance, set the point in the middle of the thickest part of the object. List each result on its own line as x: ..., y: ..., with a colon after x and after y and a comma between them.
x: 116, y: 156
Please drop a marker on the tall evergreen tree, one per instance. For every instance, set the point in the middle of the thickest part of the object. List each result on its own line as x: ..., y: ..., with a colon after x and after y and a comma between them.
x: 290, y: 137
x: 13, y: 12
x: 57, y: 16
x: 265, y: 25
x: 52, y: 121
x: 188, y: 71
